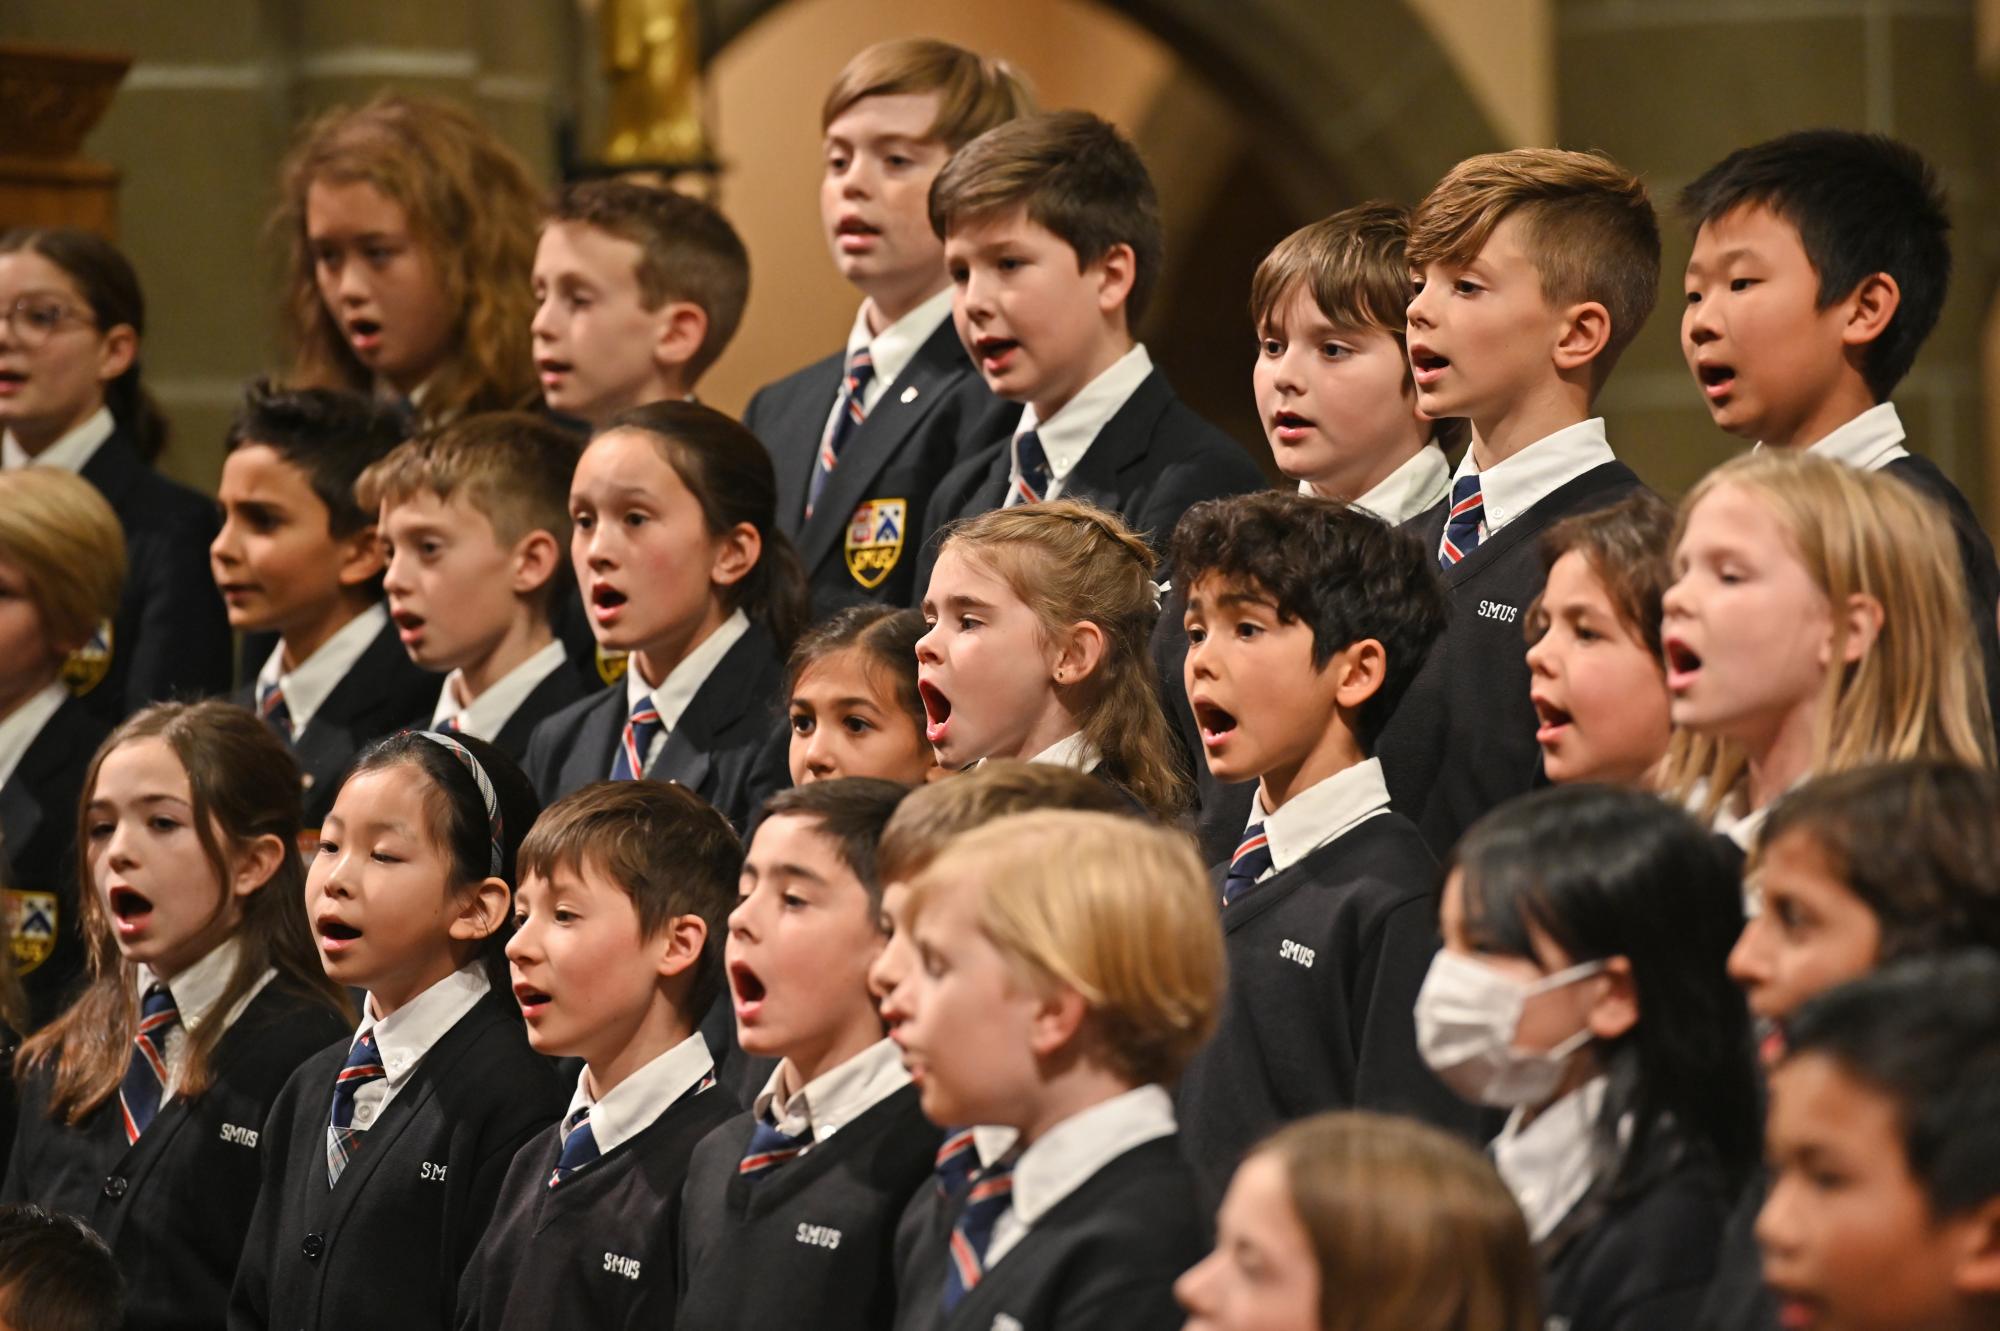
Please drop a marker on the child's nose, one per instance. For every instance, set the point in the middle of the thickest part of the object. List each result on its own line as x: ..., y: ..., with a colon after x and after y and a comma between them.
x: 1747, y: 962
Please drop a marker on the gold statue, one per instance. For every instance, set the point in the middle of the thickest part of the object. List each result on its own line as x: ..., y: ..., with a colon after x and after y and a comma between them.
x: 651, y: 54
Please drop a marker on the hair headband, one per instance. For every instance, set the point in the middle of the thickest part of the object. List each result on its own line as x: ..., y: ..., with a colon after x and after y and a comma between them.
x: 480, y: 779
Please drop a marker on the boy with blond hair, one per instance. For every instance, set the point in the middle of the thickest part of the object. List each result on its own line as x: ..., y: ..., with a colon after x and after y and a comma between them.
x: 1534, y: 270
x: 1051, y: 231
x: 1072, y: 965
x: 637, y: 293
x: 861, y: 438
x: 475, y: 533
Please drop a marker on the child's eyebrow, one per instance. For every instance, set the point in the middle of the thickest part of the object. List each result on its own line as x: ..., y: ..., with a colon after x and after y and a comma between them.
x: 1245, y: 599
x: 389, y: 825
x: 1724, y: 259
x: 960, y: 601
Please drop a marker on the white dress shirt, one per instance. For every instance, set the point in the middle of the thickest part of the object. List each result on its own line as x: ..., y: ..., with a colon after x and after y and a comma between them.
x: 1067, y: 435
x: 1072, y: 751
x: 1510, y: 488
x: 835, y: 1098
x: 72, y: 452
x: 196, y: 992
x: 891, y: 350
x: 1065, y: 1157
x: 1869, y: 442
x: 1319, y: 813
x: 672, y: 695
x: 1420, y: 483
x: 631, y: 1106
x: 1550, y: 1164
x: 20, y: 726
x: 485, y: 715
x: 404, y: 1036
x: 307, y: 685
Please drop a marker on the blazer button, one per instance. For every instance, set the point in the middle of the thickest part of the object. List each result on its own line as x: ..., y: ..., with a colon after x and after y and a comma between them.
x: 314, y: 1245
x: 114, y: 1187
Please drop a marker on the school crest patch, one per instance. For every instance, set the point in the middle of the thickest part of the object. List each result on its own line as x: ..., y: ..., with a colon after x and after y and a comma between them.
x: 33, y: 935
x: 875, y: 539
x: 610, y: 666
x: 84, y: 669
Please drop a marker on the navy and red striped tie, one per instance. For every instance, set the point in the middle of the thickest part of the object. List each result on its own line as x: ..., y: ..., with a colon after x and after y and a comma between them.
x: 1250, y: 862
x: 847, y: 416
x: 145, y: 1083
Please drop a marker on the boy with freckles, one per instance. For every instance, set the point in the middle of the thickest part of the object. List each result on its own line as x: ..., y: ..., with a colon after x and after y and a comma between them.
x: 615, y: 957
x: 1533, y: 270
x: 791, y: 1208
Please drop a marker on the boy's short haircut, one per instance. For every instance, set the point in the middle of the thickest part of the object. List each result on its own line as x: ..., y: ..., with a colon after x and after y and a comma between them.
x: 328, y: 434
x: 1918, y: 842
x: 1629, y: 547
x: 68, y: 545
x: 1115, y: 907
x: 1074, y: 175
x: 1587, y: 225
x: 687, y: 251
x: 974, y: 92
x: 1340, y: 571
x: 1354, y: 267
x: 1862, y: 204
x: 1924, y: 1033
x: 931, y: 815
x: 851, y: 812
x: 659, y: 843
x: 56, y: 1274
x: 511, y: 466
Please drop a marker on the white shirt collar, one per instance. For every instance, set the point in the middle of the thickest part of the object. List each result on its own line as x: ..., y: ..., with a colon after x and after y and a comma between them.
x: 672, y: 695
x: 484, y: 716
x: 631, y: 1106
x: 1549, y: 1165
x: 1869, y: 442
x: 837, y: 1096
x: 1067, y: 435
x: 72, y: 452
x: 1072, y: 751
x: 1065, y: 1157
x: 197, y: 989
x: 1510, y: 488
x: 1322, y: 811
x: 892, y: 349
x: 404, y: 1036
x: 307, y: 684
x: 18, y: 730
x: 1420, y: 483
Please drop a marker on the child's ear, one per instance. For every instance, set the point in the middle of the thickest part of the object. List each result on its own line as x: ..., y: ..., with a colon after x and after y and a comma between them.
x: 1586, y: 332
x: 736, y: 553
x: 1616, y: 1010
x: 1116, y: 270
x: 1977, y: 1271
x: 360, y: 556
x: 1864, y: 624
x: 1059, y: 1016
x: 1871, y: 307
x: 481, y: 911
x: 536, y: 559
x: 255, y: 861
x: 681, y: 944
x: 119, y: 350
x: 1358, y: 671
x: 683, y: 326
x: 1079, y: 653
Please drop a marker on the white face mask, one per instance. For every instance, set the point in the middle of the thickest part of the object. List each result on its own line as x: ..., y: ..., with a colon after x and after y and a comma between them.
x: 1467, y: 1015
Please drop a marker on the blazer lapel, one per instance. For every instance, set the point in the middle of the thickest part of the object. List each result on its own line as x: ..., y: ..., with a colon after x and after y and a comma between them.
x: 730, y: 690
x: 596, y: 746
x: 804, y: 418
x: 1560, y: 500
x: 1119, y: 443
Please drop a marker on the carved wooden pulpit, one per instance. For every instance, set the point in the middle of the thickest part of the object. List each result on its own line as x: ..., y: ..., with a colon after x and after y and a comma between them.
x: 50, y: 98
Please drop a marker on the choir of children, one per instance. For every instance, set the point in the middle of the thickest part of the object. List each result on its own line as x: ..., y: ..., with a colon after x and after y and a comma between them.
x: 977, y: 1042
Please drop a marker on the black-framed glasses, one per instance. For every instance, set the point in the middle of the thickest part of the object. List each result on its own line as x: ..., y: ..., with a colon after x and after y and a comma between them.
x: 33, y: 320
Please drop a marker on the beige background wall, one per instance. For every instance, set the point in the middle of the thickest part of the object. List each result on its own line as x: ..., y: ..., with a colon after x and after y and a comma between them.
x: 1257, y: 115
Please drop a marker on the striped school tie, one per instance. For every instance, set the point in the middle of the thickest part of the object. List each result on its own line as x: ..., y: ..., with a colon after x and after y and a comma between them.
x: 1250, y: 862
x: 579, y: 1146
x: 991, y: 1194
x: 1463, y: 523
x: 1031, y: 470
x: 770, y: 1148
x: 145, y: 1083
x: 641, y: 728
x: 272, y: 707
x: 957, y: 1162
x: 848, y: 413
x: 343, y: 1139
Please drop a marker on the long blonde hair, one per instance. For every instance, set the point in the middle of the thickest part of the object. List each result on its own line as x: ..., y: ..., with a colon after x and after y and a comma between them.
x: 474, y: 208
x: 1070, y: 562
x: 1412, y: 1228
x: 1919, y: 689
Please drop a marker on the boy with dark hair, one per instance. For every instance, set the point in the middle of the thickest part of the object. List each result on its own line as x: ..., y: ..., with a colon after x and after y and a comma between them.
x: 297, y: 556
x: 475, y: 530
x: 615, y: 957
x: 1820, y: 265
x: 1535, y: 269
x: 1051, y: 233
x: 637, y: 291
x: 55, y: 1274
x: 1883, y: 1135
x: 791, y: 1208
x: 1306, y: 621
x: 861, y: 438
